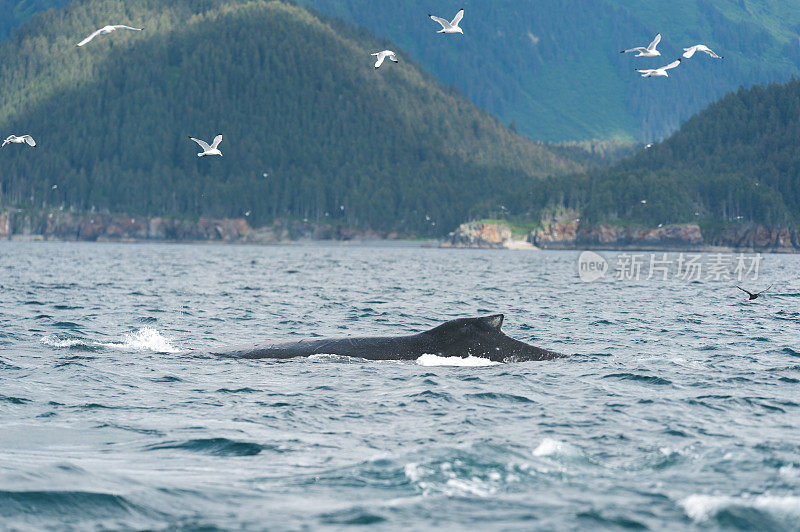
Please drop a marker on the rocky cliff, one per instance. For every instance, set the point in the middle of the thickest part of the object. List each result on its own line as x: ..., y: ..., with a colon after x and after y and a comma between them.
x: 565, y: 231
x: 486, y: 236
x: 19, y: 225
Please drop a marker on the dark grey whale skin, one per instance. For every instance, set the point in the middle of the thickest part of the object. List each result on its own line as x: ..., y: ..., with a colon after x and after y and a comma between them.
x: 478, y: 337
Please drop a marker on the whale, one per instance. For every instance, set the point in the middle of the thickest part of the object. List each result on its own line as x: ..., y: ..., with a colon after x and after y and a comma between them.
x: 480, y: 337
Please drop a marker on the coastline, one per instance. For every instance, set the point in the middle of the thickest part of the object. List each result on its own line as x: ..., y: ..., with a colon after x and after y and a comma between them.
x: 565, y: 233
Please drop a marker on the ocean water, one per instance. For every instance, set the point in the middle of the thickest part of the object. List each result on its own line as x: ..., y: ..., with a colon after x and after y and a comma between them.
x: 679, y: 408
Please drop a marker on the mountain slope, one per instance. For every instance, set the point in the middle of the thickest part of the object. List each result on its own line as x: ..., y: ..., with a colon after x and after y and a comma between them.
x: 310, y: 128
x: 737, y: 161
x: 17, y: 12
x: 554, y: 68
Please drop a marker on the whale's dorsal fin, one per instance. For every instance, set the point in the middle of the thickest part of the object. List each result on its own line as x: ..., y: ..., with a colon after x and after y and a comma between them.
x: 495, y: 321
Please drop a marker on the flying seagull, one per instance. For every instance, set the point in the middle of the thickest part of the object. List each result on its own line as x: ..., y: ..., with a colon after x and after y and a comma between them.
x: 656, y: 72
x: 105, y: 30
x: 452, y: 26
x: 209, y: 150
x: 649, y: 51
x: 19, y: 140
x: 383, y: 55
x: 689, y: 52
x: 751, y: 294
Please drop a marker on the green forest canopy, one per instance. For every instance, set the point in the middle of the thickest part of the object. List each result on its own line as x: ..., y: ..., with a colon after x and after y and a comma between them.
x: 310, y: 129
x: 736, y: 161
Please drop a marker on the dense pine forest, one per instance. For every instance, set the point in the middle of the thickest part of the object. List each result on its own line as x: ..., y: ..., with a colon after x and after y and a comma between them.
x: 13, y: 13
x: 737, y: 161
x: 553, y: 67
x: 311, y: 129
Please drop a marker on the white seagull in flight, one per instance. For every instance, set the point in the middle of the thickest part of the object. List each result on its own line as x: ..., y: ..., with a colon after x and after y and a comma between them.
x: 452, y: 26
x: 384, y: 55
x: 689, y: 52
x: 209, y: 150
x: 105, y: 30
x: 19, y: 140
x: 649, y: 51
x: 656, y: 72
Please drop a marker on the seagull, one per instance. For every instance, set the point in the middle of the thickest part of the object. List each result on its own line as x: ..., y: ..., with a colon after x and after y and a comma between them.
x: 656, y: 72
x: 383, y: 55
x: 649, y: 51
x: 689, y: 52
x: 19, y: 140
x: 452, y: 26
x: 751, y: 294
x: 105, y: 30
x: 209, y: 150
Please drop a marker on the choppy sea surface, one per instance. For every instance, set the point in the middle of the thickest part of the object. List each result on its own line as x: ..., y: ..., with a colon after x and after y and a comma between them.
x: 678, y: 409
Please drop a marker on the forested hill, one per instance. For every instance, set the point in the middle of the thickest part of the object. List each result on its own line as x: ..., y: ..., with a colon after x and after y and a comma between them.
x: 737, y: 161
x: 311, y: 129
x: 553, y: 67
x: 13, y: 13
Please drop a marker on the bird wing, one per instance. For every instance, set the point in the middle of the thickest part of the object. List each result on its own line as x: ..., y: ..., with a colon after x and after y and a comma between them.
x: 203, y: 144
x: 689, y: 52
x: 652, y: 45
x: 710, y: 52
x: 440, y: 20
x: 457, y: 18
x: 672, y: 65
x: 124, y: 27
x: 216, y: 142
x: 379, y: 62
x: 745, y: 291
x: 29, y: 140
x: 637, y: 49
x: 764, y: 290
x: 90, y: 37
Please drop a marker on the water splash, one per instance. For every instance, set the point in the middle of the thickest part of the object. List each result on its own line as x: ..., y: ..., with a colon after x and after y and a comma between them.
x: 146, y: 339
x: 469, y: 362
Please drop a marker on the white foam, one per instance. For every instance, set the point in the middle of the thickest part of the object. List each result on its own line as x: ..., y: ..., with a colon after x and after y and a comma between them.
x: 327, y: 357
x: 789, y: 472
x: 550, y: 447
x: 55, y: 341
x: 146, y: 339
x: 474, y: 486
x: 701, y: 507
x: 412, y: 472
x: 470, y: 361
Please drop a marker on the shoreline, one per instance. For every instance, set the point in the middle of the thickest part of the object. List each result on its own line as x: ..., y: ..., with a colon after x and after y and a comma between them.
x: 407, y: 243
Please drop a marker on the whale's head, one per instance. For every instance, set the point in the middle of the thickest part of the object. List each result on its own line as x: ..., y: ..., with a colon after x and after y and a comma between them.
x: 482, y: 337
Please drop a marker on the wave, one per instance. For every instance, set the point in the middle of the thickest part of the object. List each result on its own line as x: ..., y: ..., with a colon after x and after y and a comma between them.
x: 214, y: 446
x: 60, y: 503
x: 146, y: 339
x: 649, y: 379
x: 746, y: 511
x: 468, y: 362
